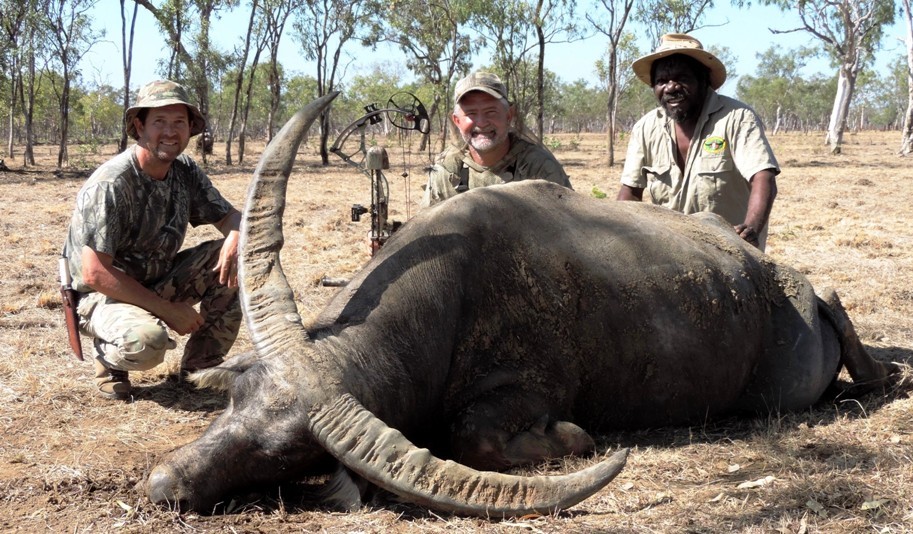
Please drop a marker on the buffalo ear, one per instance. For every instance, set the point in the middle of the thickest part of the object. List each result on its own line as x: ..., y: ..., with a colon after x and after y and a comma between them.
x: 221, y: 376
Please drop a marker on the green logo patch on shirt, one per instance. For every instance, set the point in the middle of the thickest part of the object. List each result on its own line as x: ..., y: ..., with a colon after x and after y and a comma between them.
x: 714, y: 145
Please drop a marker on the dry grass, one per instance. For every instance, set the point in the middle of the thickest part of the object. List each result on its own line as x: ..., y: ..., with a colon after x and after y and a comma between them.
x: 70, y: 461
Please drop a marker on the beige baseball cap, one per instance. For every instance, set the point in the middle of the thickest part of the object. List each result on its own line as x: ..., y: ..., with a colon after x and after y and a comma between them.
x: 681, y: 43
x: 162, y: 93
x: 480, y: 81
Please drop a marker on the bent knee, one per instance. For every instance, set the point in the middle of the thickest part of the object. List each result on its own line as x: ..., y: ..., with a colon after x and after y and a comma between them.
x: 141, y: 348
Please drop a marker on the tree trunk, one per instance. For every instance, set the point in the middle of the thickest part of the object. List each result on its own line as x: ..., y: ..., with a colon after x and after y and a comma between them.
x: 610, y: 123
x: 28, y: 108
x: 127, y: 57
x: 274, y: 93
x: 324, y: 136
x: 63, y: 156
x: 12, y: 116
x: 540, y: 77
x: 612, y: 87
x: 846, y: 80
x: 779, y: 119
x: 242, y: 134
x: 426, y: 137
x: 239, y: 83
x: 906, y: 139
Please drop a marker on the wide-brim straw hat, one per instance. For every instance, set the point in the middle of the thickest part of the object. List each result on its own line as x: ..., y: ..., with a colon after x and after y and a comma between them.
x: 684, y: 44
x: 162, y: 93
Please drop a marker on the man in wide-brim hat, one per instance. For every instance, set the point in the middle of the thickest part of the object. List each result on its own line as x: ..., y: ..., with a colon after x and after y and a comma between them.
x: 699, y: 150
x: 135, y: 284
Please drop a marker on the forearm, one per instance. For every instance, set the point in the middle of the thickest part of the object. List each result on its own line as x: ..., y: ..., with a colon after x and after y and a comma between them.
x: 104, y: 278
x: 761, y: 199
x: 99, y: 273
x: 230, y: 223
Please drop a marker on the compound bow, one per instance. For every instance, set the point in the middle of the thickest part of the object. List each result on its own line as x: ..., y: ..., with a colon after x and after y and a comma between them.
x: 406, y: 112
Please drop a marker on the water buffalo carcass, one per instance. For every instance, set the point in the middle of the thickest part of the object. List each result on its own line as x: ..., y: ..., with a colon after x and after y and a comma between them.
x: 501, y: 328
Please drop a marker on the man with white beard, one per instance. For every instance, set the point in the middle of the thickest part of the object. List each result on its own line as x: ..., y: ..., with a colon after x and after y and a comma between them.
x: 488, y: 151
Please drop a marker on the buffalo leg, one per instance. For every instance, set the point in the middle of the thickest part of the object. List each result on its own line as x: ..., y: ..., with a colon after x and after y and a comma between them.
x: 865, y: 370
x: 547, y: 439
x: 482, y: 439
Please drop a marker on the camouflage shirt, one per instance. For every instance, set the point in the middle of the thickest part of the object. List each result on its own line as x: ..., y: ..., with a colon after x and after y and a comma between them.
x: 121, y: 211
x: 524, y: 161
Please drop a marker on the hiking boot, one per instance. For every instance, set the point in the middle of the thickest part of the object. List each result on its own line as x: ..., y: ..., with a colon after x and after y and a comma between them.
x: 111, y: 383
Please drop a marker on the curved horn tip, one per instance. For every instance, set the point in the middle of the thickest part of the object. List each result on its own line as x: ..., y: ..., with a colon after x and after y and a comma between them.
x: 617, y: 461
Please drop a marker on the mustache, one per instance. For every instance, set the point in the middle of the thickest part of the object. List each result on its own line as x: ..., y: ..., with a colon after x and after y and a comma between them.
x: 674, y: 96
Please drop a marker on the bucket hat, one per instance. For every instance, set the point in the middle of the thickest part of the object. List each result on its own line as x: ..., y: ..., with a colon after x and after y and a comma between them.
x: 480, y: 81
x: 681, y: 43
x: 162, y: 93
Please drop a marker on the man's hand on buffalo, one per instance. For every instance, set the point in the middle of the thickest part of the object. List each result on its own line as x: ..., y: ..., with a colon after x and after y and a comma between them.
x: 748, y: 233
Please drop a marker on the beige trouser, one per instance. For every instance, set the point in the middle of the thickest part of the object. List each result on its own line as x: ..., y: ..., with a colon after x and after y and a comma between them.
x: 129, y: 338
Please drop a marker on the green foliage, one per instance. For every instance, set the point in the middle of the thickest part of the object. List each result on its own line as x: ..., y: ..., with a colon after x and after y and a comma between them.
x: 664, y: 16
x: 881, y: 98
x: 98, y: 115
x: 436, y: 44
x: 598, y: 193
x: 779, y: 85
x: 576, y: 107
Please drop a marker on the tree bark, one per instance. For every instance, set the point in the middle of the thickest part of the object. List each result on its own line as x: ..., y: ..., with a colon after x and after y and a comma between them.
x: 540, y: 73
x: 28, y: 106
x: 906, y: 139
x: 239, y: 83
x: 846, y: 81
x: 127, y: 58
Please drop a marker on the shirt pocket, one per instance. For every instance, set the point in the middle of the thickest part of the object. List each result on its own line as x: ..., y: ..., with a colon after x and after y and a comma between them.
x: 659, y: 182
x: 713, y: 174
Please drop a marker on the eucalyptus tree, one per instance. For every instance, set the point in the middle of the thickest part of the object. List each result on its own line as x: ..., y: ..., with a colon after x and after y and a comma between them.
x: 324, y: 28
x: 659, y: 17
x: 71, y: 36
x: 126, y: 38
x: 517, y: 32
x: 611, y: 21
x: 434, y: 35
x: 275, y: 15
x: 774, y: 89
x: 882, y: 97
x: 376, y: 84
x: 555, y: 22
x: 906, y: 138
x: 505, y: 27
x: 260, y: 43
x: 17, y: 61
x: 33, y: 45
x: 576, y: 107
x: 96, y: 114
x: 238, y: 81
x: 849, y: 31
x: 203, y: 62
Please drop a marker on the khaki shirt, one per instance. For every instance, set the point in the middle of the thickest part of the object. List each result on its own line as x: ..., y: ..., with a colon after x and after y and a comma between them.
x: 728, y: 148
x: 524, y: 161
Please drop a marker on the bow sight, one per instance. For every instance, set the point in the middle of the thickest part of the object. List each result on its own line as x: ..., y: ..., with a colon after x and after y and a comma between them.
x: 405, y: 112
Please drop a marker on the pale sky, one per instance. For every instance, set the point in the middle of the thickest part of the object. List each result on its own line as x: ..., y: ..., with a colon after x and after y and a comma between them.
x: 745, y: 32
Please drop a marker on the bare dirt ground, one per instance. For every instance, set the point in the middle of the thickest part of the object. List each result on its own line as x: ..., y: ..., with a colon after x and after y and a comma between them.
x: 71, y: 461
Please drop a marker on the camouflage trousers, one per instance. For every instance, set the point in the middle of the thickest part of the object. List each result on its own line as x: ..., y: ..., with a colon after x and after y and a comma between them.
x: 129, y: 338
